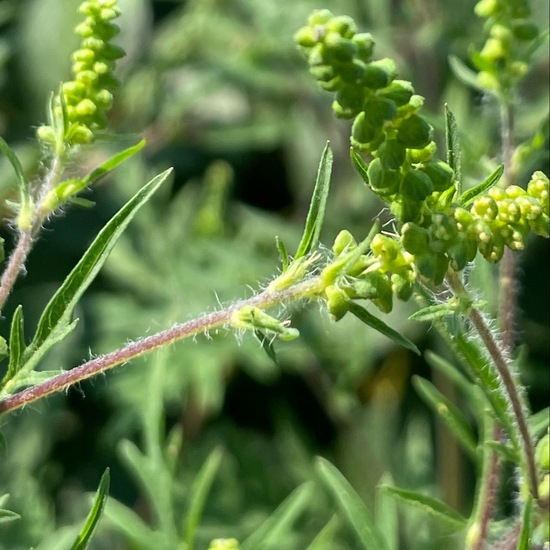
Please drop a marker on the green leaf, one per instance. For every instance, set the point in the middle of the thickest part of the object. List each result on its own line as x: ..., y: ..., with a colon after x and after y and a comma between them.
x: 451, y: 416
x: 199, y: 494
x: 430, y: 505
x: 18, y: 169
x: 267, y: 345
x: 464, y: 74
x: 326, y: 538
x: 316, y: 214
x: 538, y: 422
x: 504, y: 451
x: 526, y: 526
x: 55, y: 324
x: 17, y: 344
x: 429, y: 313
x: 362, y: 314
x: 454, y: 154
x: 452, y: 372
x: 280, y: 522
x: 85, y: 535
x: 469, y: 196
x: 283, y: 254
x: 134, y: 529
x: 68, y: 188
x: 353, y: 509
x: 386, y: 514
x: 7, y: 515
x: 360, y: 165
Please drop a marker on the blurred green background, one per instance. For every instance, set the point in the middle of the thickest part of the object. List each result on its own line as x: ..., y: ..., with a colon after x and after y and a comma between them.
x: 221, y: 94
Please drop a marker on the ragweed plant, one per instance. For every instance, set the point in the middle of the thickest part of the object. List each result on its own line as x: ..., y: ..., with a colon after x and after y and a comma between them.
x: 436, y: 230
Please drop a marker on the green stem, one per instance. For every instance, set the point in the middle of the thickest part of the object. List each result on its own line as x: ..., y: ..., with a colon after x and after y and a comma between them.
x: 307, y: 289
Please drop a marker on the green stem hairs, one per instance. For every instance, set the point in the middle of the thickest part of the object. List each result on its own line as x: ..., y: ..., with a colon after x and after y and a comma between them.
x: 422, y: 250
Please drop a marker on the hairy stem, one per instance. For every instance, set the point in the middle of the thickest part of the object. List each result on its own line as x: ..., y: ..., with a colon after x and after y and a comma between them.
x: 507, y: 377
x: 303, y: 290
x: 16, y: 265
x: 18, y: 256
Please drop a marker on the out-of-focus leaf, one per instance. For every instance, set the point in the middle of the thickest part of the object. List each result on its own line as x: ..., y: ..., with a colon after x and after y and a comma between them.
x: 353, y: 509
x: 454, y: 153
x: 430, y: 505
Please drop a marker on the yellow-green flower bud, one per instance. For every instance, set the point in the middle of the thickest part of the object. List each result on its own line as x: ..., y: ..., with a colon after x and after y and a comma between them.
x: 344, y: 242
x: 440, y: 173
x: 414, y: 132
x: 383, y: 181
x: 485, y: 208
x: 378, y: 74
x: 399, y: 91
x: 416, y: 185
x: 337, y: 300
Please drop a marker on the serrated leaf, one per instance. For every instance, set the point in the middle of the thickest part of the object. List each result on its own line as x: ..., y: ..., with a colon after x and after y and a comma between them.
x: 377, y: 324
x: 454, y: 153
x: 316, y: 214
x: 353, y: 509
x: 85, y: 535
x: 55, y: 320
x: 464, y: 73
x: 281, y: 520
x: 469, y: 195
x: 430, y: 505
x: 450, y: 415
x: 429, y: 313
x: 199, y: 494
x: 17, y: 344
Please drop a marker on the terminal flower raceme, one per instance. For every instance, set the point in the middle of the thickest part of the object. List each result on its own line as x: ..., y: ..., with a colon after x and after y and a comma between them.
x: 80, y: 108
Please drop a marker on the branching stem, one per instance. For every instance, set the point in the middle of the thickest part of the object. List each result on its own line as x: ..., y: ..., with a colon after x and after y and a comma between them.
x: 304, y: 290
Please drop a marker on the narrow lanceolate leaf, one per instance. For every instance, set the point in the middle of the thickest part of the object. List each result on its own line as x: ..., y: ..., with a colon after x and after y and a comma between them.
x: 7, y: 516
x: 450, y: 415
x: 374, y: 322
x: 464, y: 73
x: 281, y: 521
x: 352, y: 507
x: 18, y: 169
x: 454, y: 153
x: 538, y: 422
x: 199, y: 495
x: 451, y: 371
x: 429, y: 313
x: 316, y: 214
x: 56, y: 317
x: 526, y: 534
x: 85, y: 535
x: 17, y: 344
x: 430, y: 505
x: 283, y: 254
x: 469, y: 196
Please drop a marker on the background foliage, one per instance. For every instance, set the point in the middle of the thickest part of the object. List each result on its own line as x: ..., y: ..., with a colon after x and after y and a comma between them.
x: 222, y: 95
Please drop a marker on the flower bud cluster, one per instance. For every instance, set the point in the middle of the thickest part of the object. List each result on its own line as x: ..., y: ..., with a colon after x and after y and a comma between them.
x: 384, y: 271
x: 504, y: 57
x: 385, y: 112
x: 497, y: 218
x: 437, y: 230
x: 87, y: 97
